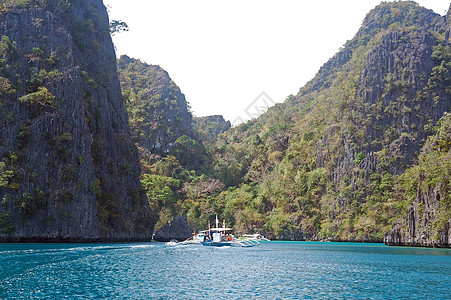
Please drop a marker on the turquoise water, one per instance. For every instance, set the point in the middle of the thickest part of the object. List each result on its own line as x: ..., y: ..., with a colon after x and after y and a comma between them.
x: 273, y: 270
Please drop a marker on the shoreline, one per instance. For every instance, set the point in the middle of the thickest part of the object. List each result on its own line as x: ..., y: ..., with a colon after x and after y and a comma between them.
x: 103, y: 241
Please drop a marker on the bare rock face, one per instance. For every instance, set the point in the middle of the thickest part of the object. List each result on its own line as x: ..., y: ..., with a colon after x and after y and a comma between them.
x: 401, y: 91
x: 415, y: 229
x: 178, y: 230
x: 72, y: 171
x: 427, y: 220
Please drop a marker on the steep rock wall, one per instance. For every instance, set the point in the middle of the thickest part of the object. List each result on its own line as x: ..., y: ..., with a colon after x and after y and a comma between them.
x: 399, y: 94
x: 73, y: 170
x: 415, y: 229
x: 426, y: 192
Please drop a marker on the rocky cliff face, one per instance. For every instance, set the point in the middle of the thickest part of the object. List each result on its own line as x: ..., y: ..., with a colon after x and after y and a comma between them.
x: 71, y: 168
x: 158, y: 110
x: 395, y: 86
x: 426, y: 188
x: 400, y: 91
x: 178, y: 229
x: 416, y: 228
x: 426, y: 221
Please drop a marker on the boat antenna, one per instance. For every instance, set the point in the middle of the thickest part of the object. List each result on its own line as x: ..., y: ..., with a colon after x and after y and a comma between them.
x: 217, y: 222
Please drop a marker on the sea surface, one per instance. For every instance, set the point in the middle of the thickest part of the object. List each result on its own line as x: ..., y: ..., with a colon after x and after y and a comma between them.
x: 272, y: 270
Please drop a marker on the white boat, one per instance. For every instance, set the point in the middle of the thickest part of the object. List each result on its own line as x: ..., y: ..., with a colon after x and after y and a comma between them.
x: 222, y: 236
x: 219, y: 237
x: 195, y: 239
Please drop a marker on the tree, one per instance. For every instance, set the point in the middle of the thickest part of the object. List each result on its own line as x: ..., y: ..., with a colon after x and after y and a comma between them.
x: 117, y: 26
x: 188, y: 151
x: 161, y: 190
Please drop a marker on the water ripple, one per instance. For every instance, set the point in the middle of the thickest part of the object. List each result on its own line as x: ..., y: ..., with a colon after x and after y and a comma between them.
x: 270, y: 271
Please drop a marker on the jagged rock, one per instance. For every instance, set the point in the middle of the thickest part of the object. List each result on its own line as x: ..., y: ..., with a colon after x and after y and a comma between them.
x: 159, y: 115
x: 427, y: 220
x: 399, y: 104
x: 178, y: 230
x: 415, y: 229
x: 75, y: 167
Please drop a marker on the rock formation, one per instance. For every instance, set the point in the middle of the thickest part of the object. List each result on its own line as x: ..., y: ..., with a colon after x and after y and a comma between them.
x: 72, y: 169
x: 427, y: 218
x: 178, y: 230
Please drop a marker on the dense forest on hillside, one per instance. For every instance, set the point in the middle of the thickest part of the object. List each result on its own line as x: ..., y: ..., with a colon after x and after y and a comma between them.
x: 342, y: 159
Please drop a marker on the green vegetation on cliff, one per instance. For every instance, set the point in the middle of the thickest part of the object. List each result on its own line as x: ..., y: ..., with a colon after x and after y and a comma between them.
x: 158, y: 112
x: 161, y: 126
x: 330, y: 162
x: 209, y: 128
x: 69, y: 170
x: 425, y: 193
x: 361, y: 152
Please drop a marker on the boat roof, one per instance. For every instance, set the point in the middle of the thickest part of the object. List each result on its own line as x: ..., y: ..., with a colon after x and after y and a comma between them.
x: 218, y: 229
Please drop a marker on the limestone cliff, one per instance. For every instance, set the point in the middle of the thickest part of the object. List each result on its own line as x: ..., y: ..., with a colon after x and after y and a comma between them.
x: 426, y: 192
x: 71, y: 168
x: 395, y: 90
x: 158, y: 111
x: 178, y: 229
x: 425, y: 187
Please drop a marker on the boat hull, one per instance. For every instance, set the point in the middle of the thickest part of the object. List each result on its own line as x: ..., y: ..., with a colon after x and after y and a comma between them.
x: 217, y: 244
x: 249, y: 243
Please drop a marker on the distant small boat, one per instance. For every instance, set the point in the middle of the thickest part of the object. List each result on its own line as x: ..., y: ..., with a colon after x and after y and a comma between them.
x: 222, y: 236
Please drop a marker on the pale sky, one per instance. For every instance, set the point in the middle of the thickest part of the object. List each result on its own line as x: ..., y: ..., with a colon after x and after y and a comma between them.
x: 224, y: 54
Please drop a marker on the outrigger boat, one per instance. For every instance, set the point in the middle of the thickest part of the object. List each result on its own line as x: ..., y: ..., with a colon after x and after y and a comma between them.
x: 222, y: 236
